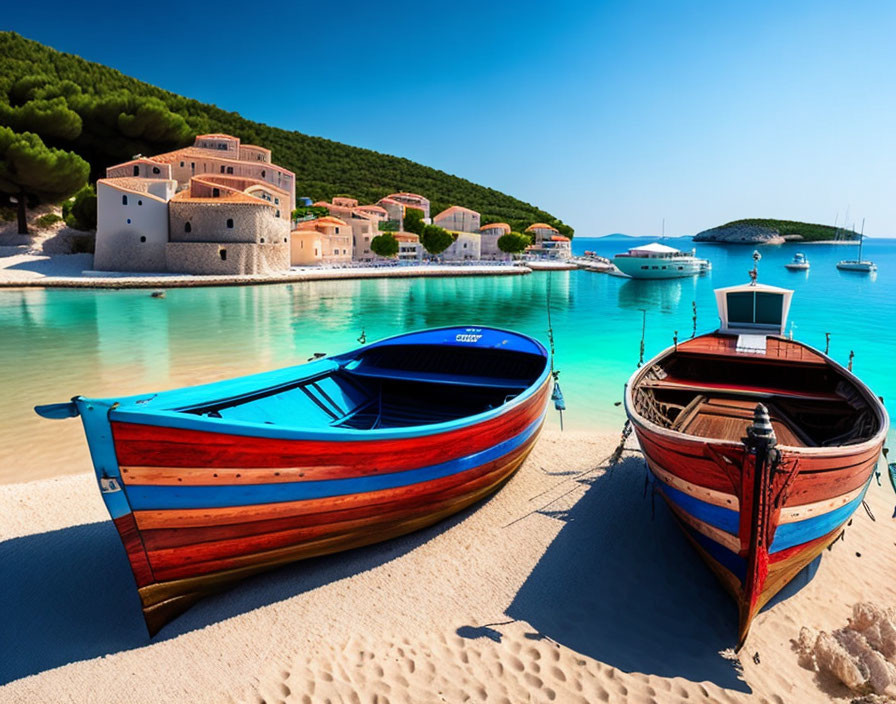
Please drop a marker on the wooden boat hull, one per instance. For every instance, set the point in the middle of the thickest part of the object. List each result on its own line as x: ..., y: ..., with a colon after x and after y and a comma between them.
x: 756, y: 532
x: 200, y: 504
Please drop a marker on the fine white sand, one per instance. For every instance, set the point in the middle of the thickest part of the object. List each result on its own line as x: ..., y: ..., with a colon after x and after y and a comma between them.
x: 22, y: 266
x: 569, y: 585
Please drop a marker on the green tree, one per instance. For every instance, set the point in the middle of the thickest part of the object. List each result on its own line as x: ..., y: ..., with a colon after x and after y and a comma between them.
x: 303, y: 211
x: 513, y: 243
x: 30, y: 169
x: 435, y: 239
x: 80, y: 211
x: 384, y: 245
x: 413, y: 221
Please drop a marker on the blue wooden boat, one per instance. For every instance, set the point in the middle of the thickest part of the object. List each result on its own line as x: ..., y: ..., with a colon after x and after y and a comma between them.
x: 209, y: 484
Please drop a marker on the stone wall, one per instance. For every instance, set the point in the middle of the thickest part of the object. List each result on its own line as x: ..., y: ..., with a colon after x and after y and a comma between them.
x: 227, y: 258
x: 208, y: 222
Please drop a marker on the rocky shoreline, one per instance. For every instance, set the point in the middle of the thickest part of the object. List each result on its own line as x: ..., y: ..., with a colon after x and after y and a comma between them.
x: 745, y: 234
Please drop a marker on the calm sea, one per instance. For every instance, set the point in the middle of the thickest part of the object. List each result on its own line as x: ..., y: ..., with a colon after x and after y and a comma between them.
x: 59, y: 343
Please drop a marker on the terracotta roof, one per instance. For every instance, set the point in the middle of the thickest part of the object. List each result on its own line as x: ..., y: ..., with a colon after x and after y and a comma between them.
x: 408, y: 195
x: 454, y: 208
x: 195, y: 152
x: 389, y: 200
x: 559, y: 238
x: 375, y: 208
x: 232, y: 197
x: 235, y: 182
x: 133, y: 184
x: 406, y: 237
x: 541, y: 226
x: 493, y: 225
x: 255, y: 146
x: 216, y: 136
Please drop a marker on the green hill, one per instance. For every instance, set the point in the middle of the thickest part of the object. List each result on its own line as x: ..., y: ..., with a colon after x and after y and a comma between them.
x: 107, y: 117
x: 760, y: 230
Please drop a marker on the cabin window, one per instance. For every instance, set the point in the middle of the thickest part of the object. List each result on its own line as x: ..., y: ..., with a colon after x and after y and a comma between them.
x: 139, y: 202
x: 129, y: 221
x: 645, y: 267
x: 136, y: 170
x: 124, y: 200
x: 229, y: 223
x: 216, y: 192
x: 758, y: 308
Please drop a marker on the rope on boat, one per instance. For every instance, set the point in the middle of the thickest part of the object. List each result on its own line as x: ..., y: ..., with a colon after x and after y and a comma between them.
x: 851, y: 355
x: 643, y: 330
x: 362, y: 338
x: 620, y: 448
x: 868, y: 510
x: 827, y: 342
x: 557, y: 393
x: 694, y: 318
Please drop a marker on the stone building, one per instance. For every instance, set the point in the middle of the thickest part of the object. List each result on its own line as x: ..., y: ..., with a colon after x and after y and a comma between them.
x: 548, y: 243
x: 364, y: 221
x: 326, y: 240
x: 458, y: 219
x: 217, y: 207
x: 489, y: 236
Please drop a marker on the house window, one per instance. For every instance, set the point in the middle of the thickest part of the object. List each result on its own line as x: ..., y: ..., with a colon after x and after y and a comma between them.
x: 276, y: 201
x: 192, y: 166
x: 262, y: 173
x: 222, y: 168
x: 337, y: 230
x: 143, y: 238
x: 181, y: 164
x: 278, y: 213
x: 315, y: 251
x: 188, y: 227
x: 230, y: 223
x: 216, y: 193
x: 230, y: 169
x: 155, y: 170
x: 262, y: 240
x: 223, y: 254
x: 139, y: 202
x: 129, y: 221
x: 222, y: 146
x: 124, y: 200
x: 136, y: 170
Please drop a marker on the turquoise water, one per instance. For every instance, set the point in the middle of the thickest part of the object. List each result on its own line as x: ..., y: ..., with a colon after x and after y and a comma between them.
x: 60, y: 342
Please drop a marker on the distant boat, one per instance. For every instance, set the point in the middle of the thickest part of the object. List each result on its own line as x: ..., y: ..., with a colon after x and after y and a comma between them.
x: 658, y: 261
x: 859, y: 264
x: 209, y: 484
x: 761, y: 446
x: 799, y: 262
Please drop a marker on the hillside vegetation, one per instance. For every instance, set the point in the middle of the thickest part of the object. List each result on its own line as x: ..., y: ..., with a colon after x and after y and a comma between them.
x: 792, y: 229
x: 105, y: 117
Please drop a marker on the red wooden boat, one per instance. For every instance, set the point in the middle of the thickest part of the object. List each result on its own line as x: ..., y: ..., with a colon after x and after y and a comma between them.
x: 761, y: 446
x: 210, y: 484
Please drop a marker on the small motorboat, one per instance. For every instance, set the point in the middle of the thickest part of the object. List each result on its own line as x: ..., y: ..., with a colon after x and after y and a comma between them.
x: 761, y: 446
x: 799, y: 263
x: 209, y: 484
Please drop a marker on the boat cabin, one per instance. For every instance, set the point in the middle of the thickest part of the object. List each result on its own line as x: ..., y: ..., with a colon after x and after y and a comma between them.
x: 709, y: 386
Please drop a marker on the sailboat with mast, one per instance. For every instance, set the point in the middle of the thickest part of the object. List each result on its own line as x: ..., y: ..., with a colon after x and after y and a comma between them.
x: 863, y: 265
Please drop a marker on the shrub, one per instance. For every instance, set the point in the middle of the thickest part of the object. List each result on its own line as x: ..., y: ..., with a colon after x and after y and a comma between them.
x: 384, y: 245
x: 46, y: 220
x: 435, y: 239
x: 513, y: 243
x: 80, y: 212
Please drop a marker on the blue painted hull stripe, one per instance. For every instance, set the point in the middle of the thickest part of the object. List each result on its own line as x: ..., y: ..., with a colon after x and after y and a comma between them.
x: 731, y: 562
x: 145, y: 497
x: 790, y: 534
x: 716, y: 516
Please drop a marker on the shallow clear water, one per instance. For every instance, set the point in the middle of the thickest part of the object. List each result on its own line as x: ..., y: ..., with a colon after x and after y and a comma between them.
x: 61, y: 342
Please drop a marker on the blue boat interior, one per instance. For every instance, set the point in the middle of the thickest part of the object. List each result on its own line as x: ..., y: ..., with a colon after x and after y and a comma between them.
x: 389, y: 386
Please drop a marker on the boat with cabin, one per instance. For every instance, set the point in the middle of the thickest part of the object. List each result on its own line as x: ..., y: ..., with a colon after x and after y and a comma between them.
x: 659, y: 261
x: 210, y: 484
x: 799, y: 262
x: 761, y: 446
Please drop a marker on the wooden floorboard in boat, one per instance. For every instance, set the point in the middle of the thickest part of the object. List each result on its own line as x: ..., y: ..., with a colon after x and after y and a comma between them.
x: 776, y: 349
x: 728, y: 419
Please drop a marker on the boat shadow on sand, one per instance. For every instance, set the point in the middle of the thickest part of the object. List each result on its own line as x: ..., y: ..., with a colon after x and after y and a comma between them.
x: 69, y: 595
x: 621, y: 584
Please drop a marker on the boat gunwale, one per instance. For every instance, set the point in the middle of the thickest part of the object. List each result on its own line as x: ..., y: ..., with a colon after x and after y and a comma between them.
x: 168, y: 418
x: 832, y: 450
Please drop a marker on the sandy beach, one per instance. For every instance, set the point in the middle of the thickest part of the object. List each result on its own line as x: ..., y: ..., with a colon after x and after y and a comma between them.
x: 23, y: 269
x: 569, y: 585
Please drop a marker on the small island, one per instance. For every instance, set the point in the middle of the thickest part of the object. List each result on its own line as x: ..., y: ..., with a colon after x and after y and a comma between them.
x: 767, y: 231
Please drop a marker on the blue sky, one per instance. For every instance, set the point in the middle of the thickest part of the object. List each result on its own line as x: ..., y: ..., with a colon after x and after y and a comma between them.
x: 610, y: 115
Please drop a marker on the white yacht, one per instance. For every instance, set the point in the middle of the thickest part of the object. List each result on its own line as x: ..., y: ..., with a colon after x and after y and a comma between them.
x: 858, y: 264
x: 658, y: 261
